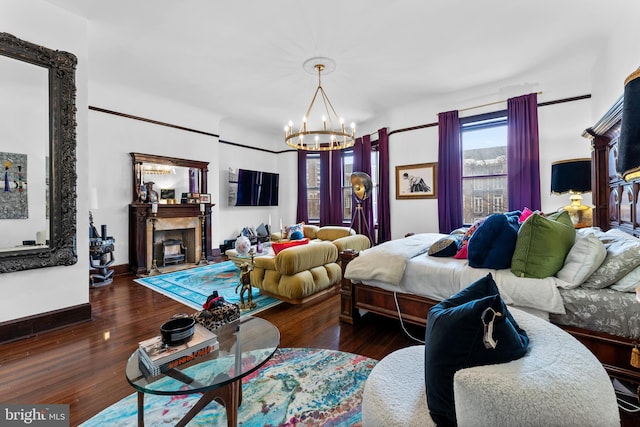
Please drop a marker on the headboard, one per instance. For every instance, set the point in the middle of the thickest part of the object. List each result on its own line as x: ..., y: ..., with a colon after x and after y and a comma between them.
x: 616, y: 201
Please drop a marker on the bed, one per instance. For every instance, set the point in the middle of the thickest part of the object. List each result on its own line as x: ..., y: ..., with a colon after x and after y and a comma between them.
x: 606, y: 321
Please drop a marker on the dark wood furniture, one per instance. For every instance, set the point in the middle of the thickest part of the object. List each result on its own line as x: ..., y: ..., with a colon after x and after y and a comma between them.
x: 140, y: 211
x: 616, y: 206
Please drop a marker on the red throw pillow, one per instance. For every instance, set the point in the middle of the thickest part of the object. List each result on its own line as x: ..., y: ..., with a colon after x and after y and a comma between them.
x: 280, y: 246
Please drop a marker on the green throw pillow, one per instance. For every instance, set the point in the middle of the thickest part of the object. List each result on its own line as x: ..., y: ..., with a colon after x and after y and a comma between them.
x: 542, y: 245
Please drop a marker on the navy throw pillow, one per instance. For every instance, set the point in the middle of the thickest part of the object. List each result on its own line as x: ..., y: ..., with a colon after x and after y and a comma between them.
x: 454, y: 340
x: 296, y: 235
x: 493, y: 243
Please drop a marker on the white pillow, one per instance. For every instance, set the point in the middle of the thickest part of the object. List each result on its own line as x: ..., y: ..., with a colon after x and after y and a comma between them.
x: 628, y: 283
x: 584, y: 257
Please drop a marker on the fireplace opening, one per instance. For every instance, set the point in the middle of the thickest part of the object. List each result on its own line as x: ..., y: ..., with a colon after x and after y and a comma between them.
x: 173, y: 252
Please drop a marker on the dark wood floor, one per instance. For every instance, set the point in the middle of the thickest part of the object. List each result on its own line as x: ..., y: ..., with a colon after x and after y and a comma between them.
x: 83, y: 365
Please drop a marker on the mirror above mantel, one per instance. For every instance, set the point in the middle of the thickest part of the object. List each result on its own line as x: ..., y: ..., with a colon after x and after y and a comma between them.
x: 38, y: 155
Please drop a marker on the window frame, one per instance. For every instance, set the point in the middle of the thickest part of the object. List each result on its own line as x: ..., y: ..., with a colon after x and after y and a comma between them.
x: 474, y: 123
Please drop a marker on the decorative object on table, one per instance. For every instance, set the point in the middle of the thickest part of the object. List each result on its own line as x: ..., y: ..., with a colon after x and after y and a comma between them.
x: 177, y: 331
x: 243, y: 245
x: 192, y: 287
x: 266, y: 397
x: 152, y: 195
x: 329, y: 133
x: 628, y: 164
x: 245, y: 284
x: 216, y: 312
x: 361, y: 186
x: 573, y: 176
x: 417, y: 181
x: 156, y: 356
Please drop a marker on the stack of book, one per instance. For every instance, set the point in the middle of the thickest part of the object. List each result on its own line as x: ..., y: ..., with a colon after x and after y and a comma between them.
x: 156, y: 357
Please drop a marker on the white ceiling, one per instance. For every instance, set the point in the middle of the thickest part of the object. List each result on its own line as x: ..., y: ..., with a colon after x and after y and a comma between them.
x: 243, y: 59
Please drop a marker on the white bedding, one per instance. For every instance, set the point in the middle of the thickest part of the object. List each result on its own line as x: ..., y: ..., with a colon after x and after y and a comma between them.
x: 403, y: 265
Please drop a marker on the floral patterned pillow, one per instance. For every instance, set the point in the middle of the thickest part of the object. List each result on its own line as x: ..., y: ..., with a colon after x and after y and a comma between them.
x: 623, y: 255
x: 290, y: 229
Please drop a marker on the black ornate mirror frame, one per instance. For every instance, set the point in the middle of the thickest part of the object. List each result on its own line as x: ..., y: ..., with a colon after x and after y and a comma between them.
x: 62, y: 157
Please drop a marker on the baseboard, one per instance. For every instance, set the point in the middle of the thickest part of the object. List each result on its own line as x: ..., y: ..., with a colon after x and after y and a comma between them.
x: 32, y: 325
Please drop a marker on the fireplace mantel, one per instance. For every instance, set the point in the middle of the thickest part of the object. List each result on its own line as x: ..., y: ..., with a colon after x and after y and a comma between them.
x: 139, y: 217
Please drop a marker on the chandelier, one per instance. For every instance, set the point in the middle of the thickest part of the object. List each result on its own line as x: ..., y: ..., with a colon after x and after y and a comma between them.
x: 331, y: 135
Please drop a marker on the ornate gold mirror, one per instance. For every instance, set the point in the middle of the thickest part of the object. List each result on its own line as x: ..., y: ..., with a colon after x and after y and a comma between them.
x: 37, y: 156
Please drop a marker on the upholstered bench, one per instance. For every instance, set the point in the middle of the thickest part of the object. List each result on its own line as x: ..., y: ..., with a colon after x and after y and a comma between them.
x: 558, y: 382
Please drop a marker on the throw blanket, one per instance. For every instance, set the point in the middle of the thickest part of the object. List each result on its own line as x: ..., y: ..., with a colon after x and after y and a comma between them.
x: 387, y: 262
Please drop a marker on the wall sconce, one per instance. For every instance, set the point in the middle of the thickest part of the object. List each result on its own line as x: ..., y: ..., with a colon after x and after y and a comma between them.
x: 574, y: 177
x: 628, y: 165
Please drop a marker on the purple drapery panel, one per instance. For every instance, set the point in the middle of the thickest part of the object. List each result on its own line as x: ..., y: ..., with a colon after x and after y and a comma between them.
x: 337, y: 205
x: 362, y: 163
x: 384, y: 205
x: 450, y: 210
x: 523, y: 156
x: 302, y: 213
x: 325, y: 189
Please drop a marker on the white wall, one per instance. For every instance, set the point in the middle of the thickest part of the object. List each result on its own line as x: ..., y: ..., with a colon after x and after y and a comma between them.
x: 36, y: 291
x: 560, y: 129
x: 234, y: 218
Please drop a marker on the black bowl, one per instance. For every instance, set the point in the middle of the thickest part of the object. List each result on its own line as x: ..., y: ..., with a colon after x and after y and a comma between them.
x: 177, y: 331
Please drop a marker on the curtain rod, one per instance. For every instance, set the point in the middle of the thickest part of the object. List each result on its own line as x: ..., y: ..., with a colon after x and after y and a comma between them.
x: 540, y: 104
x: 488, y: 104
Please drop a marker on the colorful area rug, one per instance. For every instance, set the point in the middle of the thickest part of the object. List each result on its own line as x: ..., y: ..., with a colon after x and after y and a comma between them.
x: 297, y: 387
x: 192, y: 287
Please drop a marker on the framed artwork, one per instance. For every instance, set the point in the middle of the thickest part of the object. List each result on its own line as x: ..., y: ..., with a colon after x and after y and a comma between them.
x: 417, y: 181
x: 205, y: 198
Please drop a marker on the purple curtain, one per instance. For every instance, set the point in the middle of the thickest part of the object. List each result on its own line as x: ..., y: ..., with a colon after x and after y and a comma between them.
x: 302, y: 213
x: 362, y: 163
x: 450, y: 210
x: 325, y: 189
x: 523, y: 157
x: 337, y: 205
x: 384, y: 205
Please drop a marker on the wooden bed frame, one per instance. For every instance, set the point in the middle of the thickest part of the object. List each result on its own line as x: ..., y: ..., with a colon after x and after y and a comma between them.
x: 616, y: 205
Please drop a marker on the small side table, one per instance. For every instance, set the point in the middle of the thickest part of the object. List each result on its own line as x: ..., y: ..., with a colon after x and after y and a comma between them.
x: 100, y: 258
x: 245, y: 346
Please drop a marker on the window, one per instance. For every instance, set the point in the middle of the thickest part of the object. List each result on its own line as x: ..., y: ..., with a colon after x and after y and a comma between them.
x: 313, y: 185
x: 484, y: 165
x: 347, y: 170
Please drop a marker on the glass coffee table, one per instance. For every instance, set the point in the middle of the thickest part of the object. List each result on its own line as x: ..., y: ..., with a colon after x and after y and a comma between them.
x: 245, y: 346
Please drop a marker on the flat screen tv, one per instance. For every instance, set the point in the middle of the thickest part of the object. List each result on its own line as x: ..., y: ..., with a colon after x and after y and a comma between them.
x: 257, y: 188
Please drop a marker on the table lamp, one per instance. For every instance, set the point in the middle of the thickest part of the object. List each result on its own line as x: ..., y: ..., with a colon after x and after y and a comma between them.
x: 574, y: 177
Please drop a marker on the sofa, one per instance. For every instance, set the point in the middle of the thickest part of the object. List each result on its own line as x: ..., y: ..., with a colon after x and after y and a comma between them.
x: 299, y: 273
x: 343, y: 238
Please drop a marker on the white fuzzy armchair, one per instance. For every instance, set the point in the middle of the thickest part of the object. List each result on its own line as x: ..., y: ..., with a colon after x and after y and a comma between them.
x: 559, y: 382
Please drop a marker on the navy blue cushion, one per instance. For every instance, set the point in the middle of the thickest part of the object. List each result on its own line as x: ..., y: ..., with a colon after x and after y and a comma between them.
x: 454, y: 340
x: 493, y: 243
x: 447, y: 246
x: 296, y: 235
